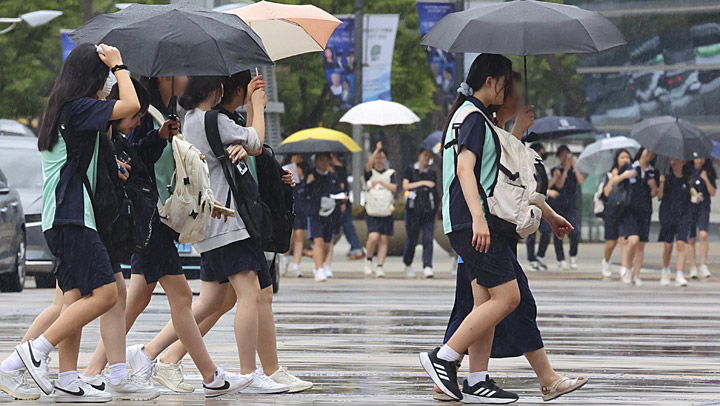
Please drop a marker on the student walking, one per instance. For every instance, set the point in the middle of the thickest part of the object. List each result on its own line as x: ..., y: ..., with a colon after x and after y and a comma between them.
x: 320, y: 184
x: 423, y: 200
x: 380, y: 187
x: 537, y: 259
x: 346, y: 220
x: 619, y: 177
x: 487, y: 254
x: 703, y: 179
x: 674, y: 194
x: 635, y: 224
x: 300, y: 225
x: 566, y: 180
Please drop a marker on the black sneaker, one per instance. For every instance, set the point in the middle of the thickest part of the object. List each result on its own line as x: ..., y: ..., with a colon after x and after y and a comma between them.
x: 443, y: 373
x: 487, y: 392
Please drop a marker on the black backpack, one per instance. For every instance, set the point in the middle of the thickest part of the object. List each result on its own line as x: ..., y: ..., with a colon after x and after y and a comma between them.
x: 279, y: 198
x: 254, y: 213
x: 426, y: 200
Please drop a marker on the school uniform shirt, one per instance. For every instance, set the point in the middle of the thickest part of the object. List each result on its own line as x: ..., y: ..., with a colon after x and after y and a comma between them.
x: 475, y: 135
x: 676, y: 200
x: 414, y: 174
x: 567, y: 199
x: 220, y: 233
x: 640, y: 192
x: 701, y: 187
x: 324, y: 185
x: 65, y: 198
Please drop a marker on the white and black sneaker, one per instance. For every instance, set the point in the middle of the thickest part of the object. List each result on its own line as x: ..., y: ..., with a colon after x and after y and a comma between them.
x: 132, y: 387
x: 487, y: 392
x: 226, y: 382
x: 79, y: 391
x: 98, y: 381
x: 443, y: 373
x: 36, y: 364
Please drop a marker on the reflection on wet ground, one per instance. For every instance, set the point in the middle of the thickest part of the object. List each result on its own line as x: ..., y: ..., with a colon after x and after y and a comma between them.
x: 358, y: 340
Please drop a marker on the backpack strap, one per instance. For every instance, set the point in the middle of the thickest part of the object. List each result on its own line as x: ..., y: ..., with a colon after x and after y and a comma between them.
x: 213, y: 136
x: 156, y: 115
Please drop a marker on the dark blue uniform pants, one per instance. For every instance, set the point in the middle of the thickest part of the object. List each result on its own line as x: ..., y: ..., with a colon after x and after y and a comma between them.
x: 545, y: 235
x: 414, y: 224
x: 570, y: 215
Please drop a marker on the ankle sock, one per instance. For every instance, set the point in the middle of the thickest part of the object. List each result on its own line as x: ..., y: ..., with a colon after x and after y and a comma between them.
x: 475, y: 377
x: 448, y: 354
x: 12, y: 363
x: 118, y: 372
x: 42, y: 345
x: 679, y: 274
x: 66, y: 378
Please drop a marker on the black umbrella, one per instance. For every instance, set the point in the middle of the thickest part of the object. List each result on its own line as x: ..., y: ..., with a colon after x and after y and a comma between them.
x: 561, y: 126
x: 524, y: 27
x: 672, y: 137
x: 432, y: 142
x: 172, y: 40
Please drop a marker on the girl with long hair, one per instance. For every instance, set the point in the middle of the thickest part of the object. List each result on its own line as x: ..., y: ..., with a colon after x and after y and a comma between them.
x: 674, y: 194
x: 620, y: 172
x: 703, y: 179
x: 635, y: 223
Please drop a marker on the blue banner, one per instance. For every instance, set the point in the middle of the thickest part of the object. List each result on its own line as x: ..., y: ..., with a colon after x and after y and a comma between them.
x: 442, y: 64
x: 339, y: 61
x: 67, y: 44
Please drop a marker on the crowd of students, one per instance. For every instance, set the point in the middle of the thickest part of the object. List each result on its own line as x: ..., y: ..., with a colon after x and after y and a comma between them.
x: 234, y: 271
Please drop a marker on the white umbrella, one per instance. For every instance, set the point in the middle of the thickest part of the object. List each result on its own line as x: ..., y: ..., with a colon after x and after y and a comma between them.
x: 380, y: 112
x: 598, y: 156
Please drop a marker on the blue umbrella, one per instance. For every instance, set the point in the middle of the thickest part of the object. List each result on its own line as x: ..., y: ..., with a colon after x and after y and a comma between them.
x: 432, y: 142
x: 716, y: 149
x: 561, y: 126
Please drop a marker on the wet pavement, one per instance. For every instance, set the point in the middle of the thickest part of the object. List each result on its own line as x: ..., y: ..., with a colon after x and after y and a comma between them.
x: 357, y: 339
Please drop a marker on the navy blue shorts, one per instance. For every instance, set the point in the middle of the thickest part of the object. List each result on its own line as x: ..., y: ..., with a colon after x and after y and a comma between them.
x: 382, y: 225
x: 245, y: 255
x: 678, y: 230
x: 611, y: 224
x: 160, y: 257
x: 491, y: 269
x: 703, y: 220
x: 635, y: 223
x: 321, y: 227
x: 82, y: 261
x: 300, y: 223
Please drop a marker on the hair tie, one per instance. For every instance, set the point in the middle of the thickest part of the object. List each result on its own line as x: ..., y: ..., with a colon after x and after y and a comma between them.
x: 465, y: 89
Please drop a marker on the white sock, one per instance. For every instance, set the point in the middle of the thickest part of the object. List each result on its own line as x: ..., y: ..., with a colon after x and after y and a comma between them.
x: 118, y: 372
x: 679, y: 274
x: 42, y: 345
x: 448, y: 354
x: 475, y: 377
x: 66, y: 378
x: 295, y: 267
x: 12, y: 363
x: 214, y: 379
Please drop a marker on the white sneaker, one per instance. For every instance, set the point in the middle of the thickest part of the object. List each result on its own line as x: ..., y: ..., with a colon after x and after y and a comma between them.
x: 284, y: 264
x: 623, y: 272
x: 693, y: 273
x: 262, y: 384
x: 36, y: 364
x: 97, y: 381
x: 428, y: 272
x: 680, y: 280
x: 14, y: 384
x: 541, y: 263
x: 665, y: 277
x: 295, y: 384
x: 573, y: 263
x: 139, y: 362
x: 410, y: 272
x: 534, y: 266
x: 171, y: 376
x: 296, y: 270
x: 328, y: 271
x: 563, y: 265
x: 379, y: 272
x: 368, y: 270
x: 606, y: 269
x: 638, y: 282
x: 133, y: 387
x: 627, y: 279
x: 226, y: 382
x: 320, y: 275
x: 79, y: 392
x: 704, y: 271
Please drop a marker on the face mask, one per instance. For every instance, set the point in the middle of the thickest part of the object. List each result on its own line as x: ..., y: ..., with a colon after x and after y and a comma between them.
x: 107, y: 87
x: 544, y: 156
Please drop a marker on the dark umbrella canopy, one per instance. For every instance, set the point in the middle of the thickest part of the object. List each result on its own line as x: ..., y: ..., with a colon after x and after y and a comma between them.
x: 561, y: 126
x: 432, y: 142
x: 172, y: 40
x: 524, y: 27
x: 672, y: 137
x: 312, y: 146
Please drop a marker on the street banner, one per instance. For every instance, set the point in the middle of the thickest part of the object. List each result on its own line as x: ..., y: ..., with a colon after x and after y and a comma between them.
x: 339, y: 61
x: 379, y: 44
x: 442, y: 64
x: 67, y: 44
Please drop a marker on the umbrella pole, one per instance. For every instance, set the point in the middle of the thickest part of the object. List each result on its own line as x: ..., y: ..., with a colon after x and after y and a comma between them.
x: 173, y: 105
x: 526, y: 81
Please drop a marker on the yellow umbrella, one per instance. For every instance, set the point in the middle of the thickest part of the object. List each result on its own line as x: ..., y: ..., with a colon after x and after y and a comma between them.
x: 317, y: 139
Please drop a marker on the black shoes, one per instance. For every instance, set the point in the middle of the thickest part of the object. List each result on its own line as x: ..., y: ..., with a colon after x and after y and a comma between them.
x: 487, y: 392
x: 443, y: 373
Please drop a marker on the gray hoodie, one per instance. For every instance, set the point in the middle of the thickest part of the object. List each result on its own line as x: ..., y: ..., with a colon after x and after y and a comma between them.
x: 220, y: 233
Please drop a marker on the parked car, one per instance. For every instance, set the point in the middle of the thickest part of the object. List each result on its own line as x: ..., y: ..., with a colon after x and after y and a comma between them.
x: 12, y: 127
x: 20, y: 160
x: 12, y: 239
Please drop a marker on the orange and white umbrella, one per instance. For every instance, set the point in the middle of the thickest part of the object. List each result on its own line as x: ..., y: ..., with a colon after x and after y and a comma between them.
x: 288, y: 30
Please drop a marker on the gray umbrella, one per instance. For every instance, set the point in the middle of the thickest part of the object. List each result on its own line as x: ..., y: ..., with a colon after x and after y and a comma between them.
x: 524, y: 27
x: 172, y: 40
x: 672, y: 137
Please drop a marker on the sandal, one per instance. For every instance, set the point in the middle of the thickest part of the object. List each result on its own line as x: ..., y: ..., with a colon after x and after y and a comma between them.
x: 561, y: 387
